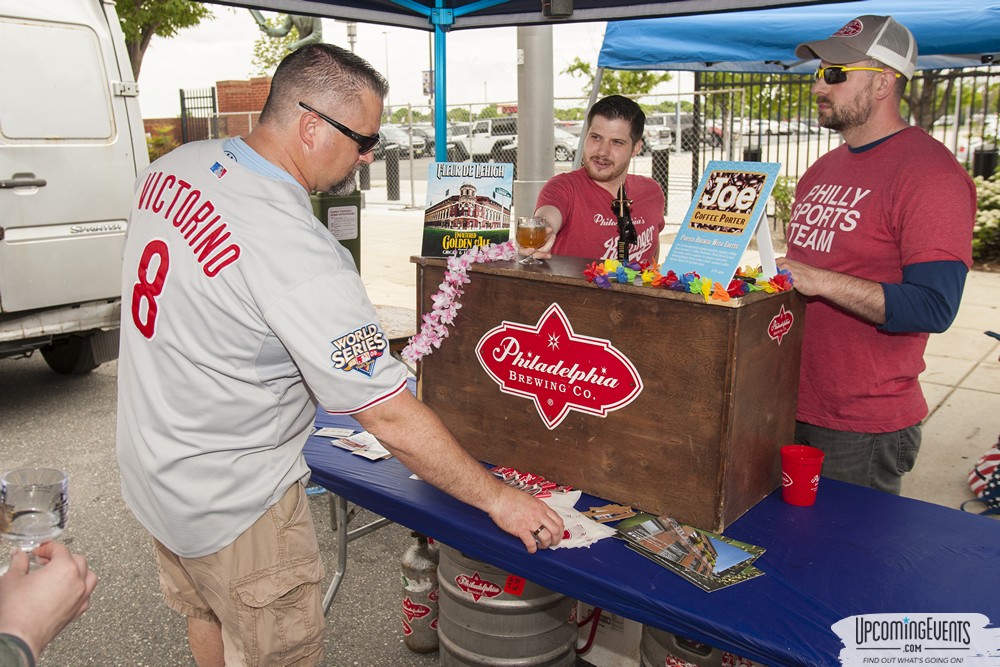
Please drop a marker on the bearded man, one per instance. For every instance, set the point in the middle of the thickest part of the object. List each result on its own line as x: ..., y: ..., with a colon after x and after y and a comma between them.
x: 880, y: 241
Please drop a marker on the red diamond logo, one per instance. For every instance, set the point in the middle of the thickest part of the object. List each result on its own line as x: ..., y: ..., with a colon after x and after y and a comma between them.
x: 780, y: 324
x: 477, y: 587
x: 558, y: 369
x: 414, y: 610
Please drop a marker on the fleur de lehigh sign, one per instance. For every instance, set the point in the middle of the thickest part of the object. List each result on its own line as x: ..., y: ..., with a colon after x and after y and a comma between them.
x: 558, y: 369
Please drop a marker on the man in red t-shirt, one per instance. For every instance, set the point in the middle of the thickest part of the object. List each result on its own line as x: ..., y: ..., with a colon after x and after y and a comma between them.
x: 880, y: 241
x: 578, y: 205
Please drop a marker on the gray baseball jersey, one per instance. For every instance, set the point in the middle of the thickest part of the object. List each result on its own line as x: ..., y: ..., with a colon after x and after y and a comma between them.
x: 239, y: 312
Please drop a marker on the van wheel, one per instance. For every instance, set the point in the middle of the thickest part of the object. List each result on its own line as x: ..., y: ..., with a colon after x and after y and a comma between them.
x: 562, y: 155
x: 72, y: 355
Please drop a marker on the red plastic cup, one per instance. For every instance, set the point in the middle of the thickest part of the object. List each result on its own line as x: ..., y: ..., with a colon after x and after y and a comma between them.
x: 800, y: 469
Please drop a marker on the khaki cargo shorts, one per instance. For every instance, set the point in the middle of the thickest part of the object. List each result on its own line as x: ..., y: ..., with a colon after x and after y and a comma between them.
x: 264, y: 588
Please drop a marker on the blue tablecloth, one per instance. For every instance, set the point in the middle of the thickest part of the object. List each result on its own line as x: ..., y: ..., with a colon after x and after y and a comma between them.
x: 856, y: 551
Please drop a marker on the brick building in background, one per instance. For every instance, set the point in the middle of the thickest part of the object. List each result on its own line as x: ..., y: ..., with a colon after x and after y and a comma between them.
x: 233, y: 111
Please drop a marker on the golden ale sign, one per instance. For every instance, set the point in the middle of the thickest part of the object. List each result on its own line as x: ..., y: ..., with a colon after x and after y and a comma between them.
x: 558, y: 369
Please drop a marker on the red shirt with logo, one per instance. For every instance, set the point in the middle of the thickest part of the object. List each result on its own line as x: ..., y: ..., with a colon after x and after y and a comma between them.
x: 869, y: 214
x: 590, y: 227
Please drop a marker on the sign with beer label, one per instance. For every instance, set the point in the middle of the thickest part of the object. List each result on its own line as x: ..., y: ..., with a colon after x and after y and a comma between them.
x: 557, y: 369
x: 724, y: 215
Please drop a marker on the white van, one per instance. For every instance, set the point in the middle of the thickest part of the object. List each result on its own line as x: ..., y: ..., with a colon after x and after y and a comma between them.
x: 71, y: 145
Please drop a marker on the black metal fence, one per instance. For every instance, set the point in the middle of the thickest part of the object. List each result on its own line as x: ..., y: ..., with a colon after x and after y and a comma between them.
x: 742, y: 116
x: 199, y: 115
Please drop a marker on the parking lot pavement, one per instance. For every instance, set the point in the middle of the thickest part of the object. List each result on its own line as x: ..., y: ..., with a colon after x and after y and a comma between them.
x: 51, y: 420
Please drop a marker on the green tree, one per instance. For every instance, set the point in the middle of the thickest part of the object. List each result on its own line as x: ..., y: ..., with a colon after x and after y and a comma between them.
x: 459, y: 115
x: 616, y: 82
x: 268, y: 51
x: 489, y: 112
x: 141, y: 20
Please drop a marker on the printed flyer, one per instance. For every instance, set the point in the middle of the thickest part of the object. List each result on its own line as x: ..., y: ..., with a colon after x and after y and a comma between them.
x: 724, y: 215
x: 468, y: 204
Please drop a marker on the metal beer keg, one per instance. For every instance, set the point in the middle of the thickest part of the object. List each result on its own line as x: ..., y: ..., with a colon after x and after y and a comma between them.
x: 491, y: 617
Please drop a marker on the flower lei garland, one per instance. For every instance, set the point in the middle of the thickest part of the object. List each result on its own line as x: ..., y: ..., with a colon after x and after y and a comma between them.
x: 746, y: 280
x: 435, y: 323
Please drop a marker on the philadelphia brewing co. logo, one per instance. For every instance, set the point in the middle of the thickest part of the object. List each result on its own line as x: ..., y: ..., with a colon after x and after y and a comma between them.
x: 558, y: 369
x: 477, y: 587
x: 918, y: 639
x: 780, y: 324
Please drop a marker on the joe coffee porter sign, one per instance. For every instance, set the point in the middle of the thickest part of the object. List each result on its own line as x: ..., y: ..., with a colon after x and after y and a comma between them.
x: 558, y: 369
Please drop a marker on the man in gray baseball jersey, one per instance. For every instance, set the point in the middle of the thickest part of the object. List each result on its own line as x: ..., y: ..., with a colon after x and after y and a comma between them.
x: 240, y: 312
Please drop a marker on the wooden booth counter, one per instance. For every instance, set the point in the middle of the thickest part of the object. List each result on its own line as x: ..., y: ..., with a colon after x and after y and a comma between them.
x: 647, y: 397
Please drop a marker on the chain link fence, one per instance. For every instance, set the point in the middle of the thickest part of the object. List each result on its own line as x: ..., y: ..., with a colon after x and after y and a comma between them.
x: 754, y: 117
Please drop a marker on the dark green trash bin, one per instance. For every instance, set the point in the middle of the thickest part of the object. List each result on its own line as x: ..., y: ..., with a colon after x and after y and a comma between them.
x: 342, y: 216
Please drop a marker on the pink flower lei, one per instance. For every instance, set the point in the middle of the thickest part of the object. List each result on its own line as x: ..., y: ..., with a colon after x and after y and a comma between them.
x: 435, y: 323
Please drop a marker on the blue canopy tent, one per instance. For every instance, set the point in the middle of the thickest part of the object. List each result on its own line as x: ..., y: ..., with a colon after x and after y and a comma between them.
x: 956, y: 33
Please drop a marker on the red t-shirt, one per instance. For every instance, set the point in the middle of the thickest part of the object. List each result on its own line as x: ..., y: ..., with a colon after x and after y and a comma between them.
x: 869, y: 214
x: 590, y: 227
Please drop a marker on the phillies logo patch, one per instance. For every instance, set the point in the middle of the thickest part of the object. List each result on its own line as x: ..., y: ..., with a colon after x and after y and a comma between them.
x: 477, y: 587
x: 558, y: 369
x: 414, y: 610
x: 780, y: 324
x: 359, y: 349
x: 851, y: 29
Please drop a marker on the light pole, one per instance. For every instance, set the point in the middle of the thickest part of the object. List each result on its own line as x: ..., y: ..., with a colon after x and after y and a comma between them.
x: 352, y: 34
x: 388, y: 105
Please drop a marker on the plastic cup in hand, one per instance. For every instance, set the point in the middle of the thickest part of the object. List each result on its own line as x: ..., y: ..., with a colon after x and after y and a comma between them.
x: 34, y: 506
x: 800, y: 469
x: 530, y: 233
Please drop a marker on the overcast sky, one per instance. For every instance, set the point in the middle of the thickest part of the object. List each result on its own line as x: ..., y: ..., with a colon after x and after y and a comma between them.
x: 481, y: 62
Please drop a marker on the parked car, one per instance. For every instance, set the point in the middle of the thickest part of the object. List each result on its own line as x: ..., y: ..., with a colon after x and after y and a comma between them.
x: 566, y: 144
x: 661, y: 130
x: 485, y: 138
x: 393, y: 135
x: 428, y: 132
x: 565, y: 148
x: 757, y: 127
x: 574, y: 127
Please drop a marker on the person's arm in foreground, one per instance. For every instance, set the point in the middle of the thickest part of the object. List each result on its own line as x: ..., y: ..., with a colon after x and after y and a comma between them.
x: 926, y: 300
x: 36, y: 606
x: 418, y: 438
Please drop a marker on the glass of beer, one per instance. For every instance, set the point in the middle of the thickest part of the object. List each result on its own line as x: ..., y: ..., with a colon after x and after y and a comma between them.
x: 530, y: 234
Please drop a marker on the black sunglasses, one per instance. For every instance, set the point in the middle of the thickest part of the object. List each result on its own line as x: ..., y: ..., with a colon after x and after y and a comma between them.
x: 838, y: 73
x: 365, y: 143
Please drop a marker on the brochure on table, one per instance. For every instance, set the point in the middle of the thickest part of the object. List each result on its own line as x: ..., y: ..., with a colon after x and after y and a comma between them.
x: 468, y: 205
x: 706, y: 559
x: 728, y: 208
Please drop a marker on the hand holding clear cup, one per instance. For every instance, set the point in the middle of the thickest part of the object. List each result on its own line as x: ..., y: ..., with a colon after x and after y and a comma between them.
x: 34, y: 507
x: 533, y: 236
